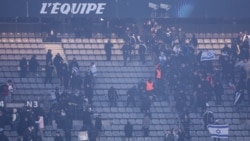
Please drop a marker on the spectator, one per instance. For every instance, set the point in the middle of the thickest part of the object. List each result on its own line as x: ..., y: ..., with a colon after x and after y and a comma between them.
x: 141, y: 88
x: 29, y: 134
x: 142, y: 51
x: 93, y: 134
x: 169, y: 135
x: 181, y: 135
x: 132, y: 42
x: 248, y: 87
x: 48, y: 73
x: 2, y: 120
x: 23, y: 67
x: 33, y: 65
x: 58, y: 137
x: 24, y: 124
x: 244, y: 50
x: 193, y: 41
x: 93, y: 70
x: 67, y: 129
x: 149, y: 87
x: 162, y: 59
x: 108, y: 49
x: 40, y: 123
x: 65, y: 76
x: 125, y: 51
x: 11, y: 88
x: 185, y: 120
x: 87, y: 120
x: 128, y: 130
x: 145, y: 104
x: 88, y: 87
x: 73, y: 64
x: 112, y: 96
x: 239, y: 93
x: 219, y: 91
x: 58, y: 61
x: 160, y: 89
x: 98, y: 123
x: 3, y: 137
x: 208, y: 118
x: 131, y: 93
x: 145, y: 125
x: 76, y: 81
x: 49, y: 57
x: 15, y: 120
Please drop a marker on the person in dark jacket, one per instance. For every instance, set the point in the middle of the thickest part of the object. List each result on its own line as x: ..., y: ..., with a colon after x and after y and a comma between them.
x: 3, y: 137
x: 98, y: 123
x: 2, y: 120
x: 24, y: 124
x: 48, y: 73
x: 33, y: 65
x: 145, y: 125
x: 88, y: 87
x: 169, y: 135
x: 128, y: 130
x: 73, y: 64
x: 131, y: 95
x: 58, y: 62
x: 208, y: 118
x: 126, y: 53
x: 49, y: 57
x: 58, y: 137
x: 218, y: 90
x: 23, y: 67
x: 113, y: 96
x: 29, y: 134
x: 142, y: 51
x: 108, y: 49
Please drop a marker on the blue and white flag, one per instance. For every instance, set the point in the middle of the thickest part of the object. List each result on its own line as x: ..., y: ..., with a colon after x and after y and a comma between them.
x: 208, y: 55
x: 237, y: 97
x: 218, y: 131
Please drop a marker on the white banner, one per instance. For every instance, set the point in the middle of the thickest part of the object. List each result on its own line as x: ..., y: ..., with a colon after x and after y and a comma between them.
x: 218, y: 131
x: 208, y: 55
x: 83, y: 136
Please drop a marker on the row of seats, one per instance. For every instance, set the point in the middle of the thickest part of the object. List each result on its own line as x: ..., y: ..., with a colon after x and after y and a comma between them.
x: 89, y: 46
x: 216, y: 47
x: 21, y: 46
x: 70, y: 35
x: 59, y: 35
x: 20, y: 34
x: 214, y: 41
x: 213, y: 35
x: 21, y: 40
x: 22, y: 51
x: 18, y: 57
x: 91, y: 40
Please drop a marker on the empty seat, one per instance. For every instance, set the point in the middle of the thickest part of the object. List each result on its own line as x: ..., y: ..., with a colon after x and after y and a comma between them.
x: 85, y: 40
x: 71, y: 40
x: 65, y: 40
x: 78, y: 40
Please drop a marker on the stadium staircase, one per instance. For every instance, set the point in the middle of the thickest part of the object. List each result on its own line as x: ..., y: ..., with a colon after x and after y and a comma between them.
x: 112, y: 73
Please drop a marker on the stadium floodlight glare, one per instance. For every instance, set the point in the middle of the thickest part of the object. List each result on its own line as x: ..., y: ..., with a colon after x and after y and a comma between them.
x: 165, y: 6
x: 153, y: 5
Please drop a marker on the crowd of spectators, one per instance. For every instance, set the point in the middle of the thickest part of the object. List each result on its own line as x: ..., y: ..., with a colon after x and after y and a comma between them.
x: 179, y: 69
x: 179, y: 72
x: 66, y: 103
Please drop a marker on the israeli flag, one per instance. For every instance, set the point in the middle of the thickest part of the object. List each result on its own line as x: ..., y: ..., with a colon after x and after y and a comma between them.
x: 208, y: 55
x: 237, y: 97
x: 218, y: 131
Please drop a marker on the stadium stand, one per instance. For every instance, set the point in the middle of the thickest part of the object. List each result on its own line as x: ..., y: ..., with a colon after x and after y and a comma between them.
x: 164, y: 116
